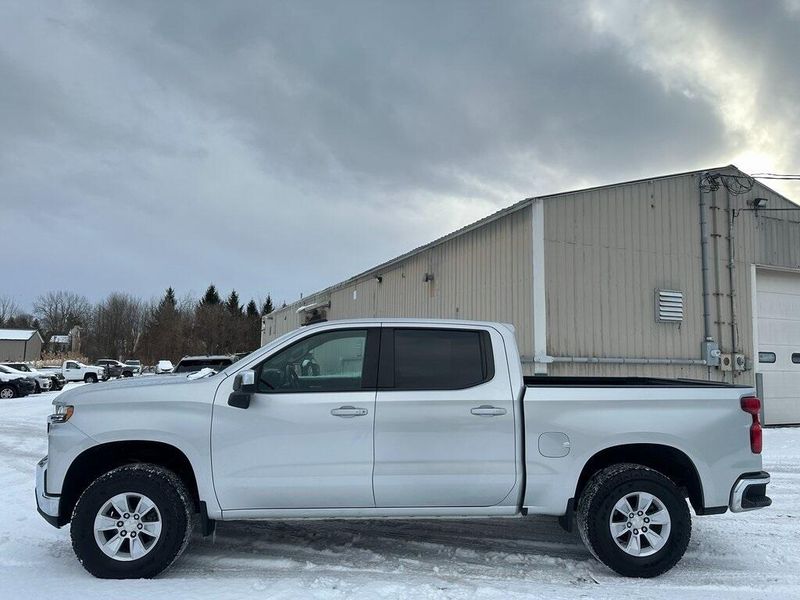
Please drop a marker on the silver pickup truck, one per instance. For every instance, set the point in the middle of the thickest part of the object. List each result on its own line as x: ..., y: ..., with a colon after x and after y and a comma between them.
x: 396, y: 418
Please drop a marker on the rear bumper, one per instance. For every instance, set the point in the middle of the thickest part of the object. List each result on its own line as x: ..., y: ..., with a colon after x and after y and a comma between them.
x: 750, y: 492
x: 46, y: 505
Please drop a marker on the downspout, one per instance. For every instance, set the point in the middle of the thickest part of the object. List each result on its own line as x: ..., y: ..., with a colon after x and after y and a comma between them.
x: 732, y: 275
x: 709, y: 350
x: 707, y: 337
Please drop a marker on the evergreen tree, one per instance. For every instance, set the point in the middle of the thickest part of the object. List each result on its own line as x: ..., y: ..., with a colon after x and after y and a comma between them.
x: 169, y: 298
x: 252, y: 309
x: 211, y: 297
x: 268, y: 307
x: 232, y: 304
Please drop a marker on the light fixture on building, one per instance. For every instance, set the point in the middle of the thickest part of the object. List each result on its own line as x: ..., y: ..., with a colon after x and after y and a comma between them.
x: 758, y: 202
x: 428, y: 277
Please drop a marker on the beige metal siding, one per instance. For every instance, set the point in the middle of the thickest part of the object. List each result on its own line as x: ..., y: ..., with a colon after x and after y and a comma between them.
x: 482, y: 274
x: 607, y: 250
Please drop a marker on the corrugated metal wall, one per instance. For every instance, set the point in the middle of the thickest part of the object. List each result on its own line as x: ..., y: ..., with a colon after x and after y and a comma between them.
x: 606, y: 252
x: 608, y: 249
x: 482, y: 274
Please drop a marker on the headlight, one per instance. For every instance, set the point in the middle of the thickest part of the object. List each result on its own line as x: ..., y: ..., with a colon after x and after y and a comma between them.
x: 62, y: 414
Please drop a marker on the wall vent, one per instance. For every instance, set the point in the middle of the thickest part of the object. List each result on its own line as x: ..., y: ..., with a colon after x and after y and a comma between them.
x: 669, y: 306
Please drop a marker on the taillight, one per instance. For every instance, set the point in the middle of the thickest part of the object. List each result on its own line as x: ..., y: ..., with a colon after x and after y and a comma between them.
x: 752, y: 406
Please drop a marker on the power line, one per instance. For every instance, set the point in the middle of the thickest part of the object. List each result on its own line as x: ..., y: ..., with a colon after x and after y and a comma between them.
x: 785, y: 176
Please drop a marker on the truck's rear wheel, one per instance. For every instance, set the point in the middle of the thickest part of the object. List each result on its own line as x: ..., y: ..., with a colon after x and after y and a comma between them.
x: 90, y: 378
x: 132, y: 522
x: 634, y: 520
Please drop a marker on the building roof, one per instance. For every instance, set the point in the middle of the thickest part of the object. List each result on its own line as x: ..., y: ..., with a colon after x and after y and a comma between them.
x: 502, y: 213
x: 18, y: 335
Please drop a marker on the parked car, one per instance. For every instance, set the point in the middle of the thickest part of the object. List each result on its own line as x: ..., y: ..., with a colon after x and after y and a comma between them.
x: 191, y: 364
x: 72, y: 370
x: 56, y: 379
x: 401, y: 418
x: 42, y: 381
x: 136, y: 365
x: 116, y: 368
x: 15, y: 386
x: 163, y: 366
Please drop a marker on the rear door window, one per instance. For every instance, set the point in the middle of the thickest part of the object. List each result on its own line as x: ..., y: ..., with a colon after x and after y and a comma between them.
x: 439, y: 359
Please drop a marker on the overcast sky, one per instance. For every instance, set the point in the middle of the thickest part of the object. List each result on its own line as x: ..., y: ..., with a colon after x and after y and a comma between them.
x: 283, y: 146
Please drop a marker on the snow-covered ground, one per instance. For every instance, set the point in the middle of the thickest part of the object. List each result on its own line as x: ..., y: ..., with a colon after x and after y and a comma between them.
x: 755, y: 555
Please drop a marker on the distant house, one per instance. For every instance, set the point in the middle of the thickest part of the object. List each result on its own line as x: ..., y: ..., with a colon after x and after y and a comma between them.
x: 20, y: 344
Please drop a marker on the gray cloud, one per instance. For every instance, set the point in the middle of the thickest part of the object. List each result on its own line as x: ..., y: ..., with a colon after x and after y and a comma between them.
x: 283, y: 146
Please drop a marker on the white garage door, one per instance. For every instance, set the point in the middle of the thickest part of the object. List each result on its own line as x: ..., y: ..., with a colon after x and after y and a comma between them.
x: 778, y: 330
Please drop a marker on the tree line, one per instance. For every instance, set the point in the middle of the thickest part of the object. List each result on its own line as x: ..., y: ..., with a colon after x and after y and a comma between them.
x: 123, y: 326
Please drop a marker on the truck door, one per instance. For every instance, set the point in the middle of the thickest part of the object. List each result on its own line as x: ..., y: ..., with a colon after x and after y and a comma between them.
x: 444, y: 419
x: 72, y: 371
x: 306, y: 439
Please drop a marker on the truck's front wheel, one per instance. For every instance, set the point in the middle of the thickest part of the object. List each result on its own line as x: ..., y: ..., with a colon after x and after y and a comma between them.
x: 634, y: 520
x: 132, y: 522
x: 90, y: 378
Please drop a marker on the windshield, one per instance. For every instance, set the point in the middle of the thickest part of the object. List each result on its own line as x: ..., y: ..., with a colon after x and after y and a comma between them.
x: 195, y: 364
x: 133, y: 363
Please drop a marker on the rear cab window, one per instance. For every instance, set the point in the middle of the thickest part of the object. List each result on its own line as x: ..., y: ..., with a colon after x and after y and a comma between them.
x: 435, y: 359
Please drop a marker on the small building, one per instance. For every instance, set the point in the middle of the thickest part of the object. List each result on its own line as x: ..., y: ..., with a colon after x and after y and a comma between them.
x: 692, y: 275
x: 20, y: 345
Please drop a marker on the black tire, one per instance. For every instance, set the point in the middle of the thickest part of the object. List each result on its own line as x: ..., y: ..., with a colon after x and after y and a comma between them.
x: 8, y: 392
x: 90, y: 378
x: 127, y: 373
x: 166, y: 490
x: 594, y: 515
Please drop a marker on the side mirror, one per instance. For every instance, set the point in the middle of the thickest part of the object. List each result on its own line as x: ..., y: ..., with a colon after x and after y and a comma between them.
x: 244, y: 385
x: 245, y: 381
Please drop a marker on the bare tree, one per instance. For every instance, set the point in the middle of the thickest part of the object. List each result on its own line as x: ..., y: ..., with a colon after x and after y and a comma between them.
x: 116, y: 327
x: 8, y: 309
x: 60, y: 311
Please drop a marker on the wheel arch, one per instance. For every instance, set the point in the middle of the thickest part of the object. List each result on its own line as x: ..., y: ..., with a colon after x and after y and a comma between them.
x: 668, y: 460
x: 102, y: 458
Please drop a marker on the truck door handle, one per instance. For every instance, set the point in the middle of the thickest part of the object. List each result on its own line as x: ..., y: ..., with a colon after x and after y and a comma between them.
x: 348, y: 412
x: 488, y: 411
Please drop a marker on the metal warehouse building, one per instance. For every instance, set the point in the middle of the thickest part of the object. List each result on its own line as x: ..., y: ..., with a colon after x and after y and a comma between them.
x: 690, y: 275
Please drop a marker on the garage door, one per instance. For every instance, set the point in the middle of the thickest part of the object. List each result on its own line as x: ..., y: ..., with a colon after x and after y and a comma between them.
x: 778, y: 330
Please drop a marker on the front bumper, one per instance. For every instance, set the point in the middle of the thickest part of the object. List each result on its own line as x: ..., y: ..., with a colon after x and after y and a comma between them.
x: 750, y: 492
x: 46, y: 505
